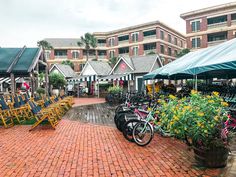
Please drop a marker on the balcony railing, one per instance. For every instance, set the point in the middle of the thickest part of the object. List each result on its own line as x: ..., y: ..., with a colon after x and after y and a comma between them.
x: 233, y: 22
x: 212, y: 43
x: 123, y: 42
x: 60, y: 56
x: 150, y: 51
x: 102, y: 56
x: 217, y: 25
x: 150, y: 37
x: 101, y: 45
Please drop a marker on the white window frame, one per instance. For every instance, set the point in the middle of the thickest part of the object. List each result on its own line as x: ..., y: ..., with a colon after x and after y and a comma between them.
x: 47, y: 52
x: 194, y: 21
x: 135, y: 47
x: 73, y: 52
x: 110, y: 53
x: 111, y: 44
x: 135, y: 33
x: 195, y: 38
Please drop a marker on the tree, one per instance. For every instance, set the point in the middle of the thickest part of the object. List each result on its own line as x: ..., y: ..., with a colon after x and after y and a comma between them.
x: 88, y: 41
x: 57, y: 80
x: 44, y: 44
x: 182, y: 53
x: 68, y: 62
x: 41, y: 77
x: 113, y: 61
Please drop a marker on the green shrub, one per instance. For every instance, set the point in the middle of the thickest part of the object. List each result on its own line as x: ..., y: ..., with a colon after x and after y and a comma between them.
x: 56, y: 80
x: 40, y: 91
x: 115, y: 89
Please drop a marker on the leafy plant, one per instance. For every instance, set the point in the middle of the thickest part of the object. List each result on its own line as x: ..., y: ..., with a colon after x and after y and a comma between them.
x: 40, y: 91
x: 182, y: 53
x: 68, y: 62
x: 115, y: 90
x: 198, y: 117
x: 57, y: 80
x: 41, y: 77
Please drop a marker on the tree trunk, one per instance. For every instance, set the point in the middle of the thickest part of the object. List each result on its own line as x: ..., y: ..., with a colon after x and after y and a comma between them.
x: 87, y: 55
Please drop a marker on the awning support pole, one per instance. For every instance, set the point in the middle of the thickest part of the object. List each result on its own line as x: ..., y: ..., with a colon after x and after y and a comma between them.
x: 196, y: 82
x: 13, y: 83
x: 153, y: 87
x: 98, y: 89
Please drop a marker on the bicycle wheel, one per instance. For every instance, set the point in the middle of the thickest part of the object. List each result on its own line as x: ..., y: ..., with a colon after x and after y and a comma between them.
x: 119, y: 108
x: 143, y: 133
x: 128, y: 129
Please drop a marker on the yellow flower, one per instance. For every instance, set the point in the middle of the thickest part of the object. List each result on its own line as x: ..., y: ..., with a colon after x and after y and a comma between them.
x: 225, y: 104
x: 205, y: 131
x: 175, y: 118
x: 211, y: 101
x: 193, y: 91
x: 199, y: 124
x: 216, y: 118
x: 200, y: 114
x: 187, y: 107
x: 149, y: 109
x: 208, y: 96
x: 215, y: 93
x: 172, y: 97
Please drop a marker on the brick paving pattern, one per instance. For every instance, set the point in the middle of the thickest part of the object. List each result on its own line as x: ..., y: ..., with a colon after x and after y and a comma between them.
x: 79, y: 149
x: 87, y: 101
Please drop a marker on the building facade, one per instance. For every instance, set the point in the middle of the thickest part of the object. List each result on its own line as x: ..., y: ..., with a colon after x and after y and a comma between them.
x: 210, y: 26
x: 140, y: 40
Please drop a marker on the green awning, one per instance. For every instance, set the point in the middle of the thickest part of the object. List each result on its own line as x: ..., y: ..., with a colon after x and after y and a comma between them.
x: 20, y: 61
x: 217, y: 61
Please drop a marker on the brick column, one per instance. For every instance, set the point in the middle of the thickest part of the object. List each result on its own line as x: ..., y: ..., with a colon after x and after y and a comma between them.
x: 69, y: 54
x: 140, y: 36
x: 130, y: 51
x: 81, y: 54
x: 230, y: 35
x: 140, y: 49
x: 52, y: 56
x: 203, y: 24
x: 204, y: 42
x: 229, y: 20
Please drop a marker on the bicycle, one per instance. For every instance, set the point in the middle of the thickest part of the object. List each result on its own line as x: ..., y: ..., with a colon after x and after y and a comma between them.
x: 143, y: 131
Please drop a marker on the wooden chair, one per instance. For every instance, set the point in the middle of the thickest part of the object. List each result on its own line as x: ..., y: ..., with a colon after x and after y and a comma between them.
x: 6, y: 119
x: 14, y: 112
x: 42, y: 115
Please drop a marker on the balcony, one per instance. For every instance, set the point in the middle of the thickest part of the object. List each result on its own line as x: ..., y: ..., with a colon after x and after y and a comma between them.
x: 149, y: 37
x: 233, y: 22
x: 146, y: 52
x: 212, y: 43
x: 123, y: 42
x: 217, y: 25
x: 60, y: 56
x: 102, y: 56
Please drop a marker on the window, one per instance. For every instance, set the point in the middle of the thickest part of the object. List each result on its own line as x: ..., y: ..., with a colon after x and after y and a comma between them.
x: 101, y: 41
x: 111, y: 41
x: 75, y: 54
x: 149, y: 46
x: 134, y: 37
x: 162, y: 49
x: 169, y: 38
x: 162, y: 35
x: 195, y: 26
x: 123, y: 50
x: 102, y: 52
x: 81, y: 66
x: 47, y: 54
x: 196, y: 42
x: 176, y: 52
x: 169, y: 51
x: 123, y: 38
x: 234, y: 34
x: 149, y: 33
x: 60, y: 53
x: 217, y: 36
x: 135, y: 50
x: 181, y: 43
x: 233, y: 16
x: 219, y: 19
x: 176, y: 41
x: 111, y: 54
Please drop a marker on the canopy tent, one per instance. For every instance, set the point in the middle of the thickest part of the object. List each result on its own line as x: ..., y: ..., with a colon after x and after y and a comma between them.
x: 216, y: 61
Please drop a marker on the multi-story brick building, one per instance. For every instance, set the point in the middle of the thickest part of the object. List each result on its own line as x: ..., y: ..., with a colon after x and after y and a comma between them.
x: 210, y: 26
x: 139, y: 40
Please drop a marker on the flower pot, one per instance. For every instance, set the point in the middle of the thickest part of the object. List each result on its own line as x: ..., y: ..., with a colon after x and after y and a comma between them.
x: 55, y: 92
x: 215, y: 157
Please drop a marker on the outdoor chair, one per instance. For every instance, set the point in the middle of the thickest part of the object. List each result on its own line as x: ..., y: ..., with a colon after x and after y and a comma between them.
x: 42, y: 115
x: 14, y: 112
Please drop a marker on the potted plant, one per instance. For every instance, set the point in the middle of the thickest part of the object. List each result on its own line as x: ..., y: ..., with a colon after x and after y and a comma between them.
x: 199, y: 119
x: 57, y: 81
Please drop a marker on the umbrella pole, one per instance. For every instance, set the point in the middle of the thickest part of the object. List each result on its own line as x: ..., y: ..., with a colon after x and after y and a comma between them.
x: 98, y: 89
x: 196, y: 82
x: 153, y: 87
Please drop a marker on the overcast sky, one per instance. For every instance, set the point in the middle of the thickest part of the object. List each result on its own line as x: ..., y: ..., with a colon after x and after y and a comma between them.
x: 24, y: 22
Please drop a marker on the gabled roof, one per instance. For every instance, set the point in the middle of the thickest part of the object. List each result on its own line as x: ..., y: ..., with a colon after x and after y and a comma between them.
x: 144, y: 64
x: 140, y: 64
x: 18, y: 60
x: 101, y: 68
x: 63, y: 42
x: 65, y: 70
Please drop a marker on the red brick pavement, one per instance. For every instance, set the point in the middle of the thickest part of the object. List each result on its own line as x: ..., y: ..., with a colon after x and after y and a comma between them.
x: 76, y: 149
x: 87, y: 101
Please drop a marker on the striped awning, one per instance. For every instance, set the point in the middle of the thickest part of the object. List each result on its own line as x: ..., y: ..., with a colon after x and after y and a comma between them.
x: 124, y: 77
x: 7, y: 79
x: 83, y: 79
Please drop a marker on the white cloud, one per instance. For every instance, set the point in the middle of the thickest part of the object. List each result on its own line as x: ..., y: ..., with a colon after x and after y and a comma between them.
x: 27, y: 21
